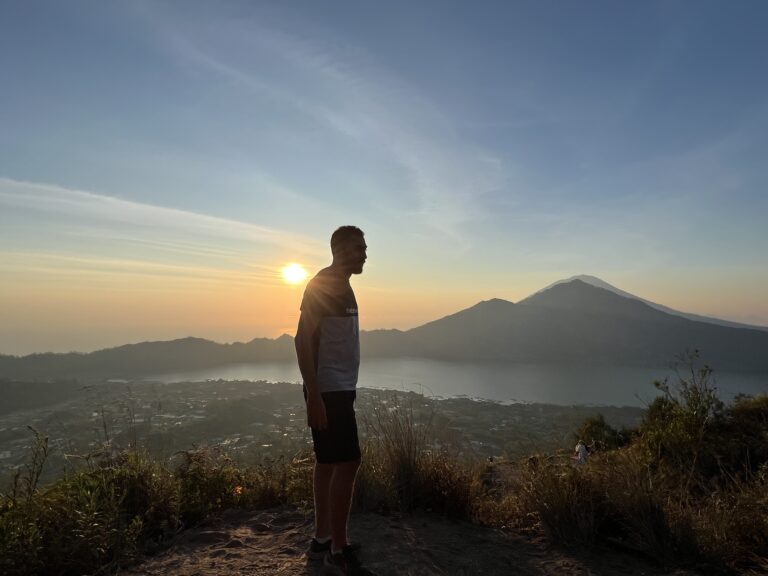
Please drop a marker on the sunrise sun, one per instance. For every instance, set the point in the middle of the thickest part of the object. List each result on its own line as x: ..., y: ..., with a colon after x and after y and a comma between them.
x: 294, y: 274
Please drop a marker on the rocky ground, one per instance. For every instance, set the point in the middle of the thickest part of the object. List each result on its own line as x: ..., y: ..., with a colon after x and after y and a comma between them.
x: 273, y: 542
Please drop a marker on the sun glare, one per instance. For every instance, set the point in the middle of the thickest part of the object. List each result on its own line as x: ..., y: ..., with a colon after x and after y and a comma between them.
x: 294, y: 273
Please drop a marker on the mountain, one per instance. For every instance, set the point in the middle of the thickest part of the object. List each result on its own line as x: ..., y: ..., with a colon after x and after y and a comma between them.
x: 574, y: 322
x: 597, y: 282
x: 146, y: 358
x: 570, y: 322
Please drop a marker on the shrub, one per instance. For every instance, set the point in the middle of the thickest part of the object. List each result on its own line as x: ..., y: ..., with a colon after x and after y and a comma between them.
x: 207, y: 480
x: 297, y: 477
x: 403, y: 467
x: 636, y: 509
x: 743, y: 439
x: 374, y: 487
x: 564, y: 500
x: 680, y: 429
x: 595, y: 431
x: 732, y: 524
x: 100, y: 516
x: 692, y: 485
x: 116, y: 507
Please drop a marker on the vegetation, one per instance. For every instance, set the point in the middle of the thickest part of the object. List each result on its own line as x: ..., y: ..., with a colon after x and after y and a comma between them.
x: 688, y: 486
x: 118, y: 506
x: 258, y: 420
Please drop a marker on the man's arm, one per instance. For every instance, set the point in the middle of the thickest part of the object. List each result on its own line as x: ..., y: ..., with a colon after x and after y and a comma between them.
x: 316, y: 416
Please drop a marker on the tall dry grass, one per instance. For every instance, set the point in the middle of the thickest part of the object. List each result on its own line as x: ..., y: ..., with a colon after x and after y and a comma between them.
x: 119, y: 506
x: 690, y: 487
x: 403, y: 466
x: 678, y: 492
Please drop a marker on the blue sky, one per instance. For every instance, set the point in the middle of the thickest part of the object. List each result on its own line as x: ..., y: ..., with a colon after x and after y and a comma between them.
x: 487, y: 149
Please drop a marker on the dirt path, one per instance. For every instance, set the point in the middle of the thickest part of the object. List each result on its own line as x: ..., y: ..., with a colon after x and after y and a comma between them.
x: 272, y: 542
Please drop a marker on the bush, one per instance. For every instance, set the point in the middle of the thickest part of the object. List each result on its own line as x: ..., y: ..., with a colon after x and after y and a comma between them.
x: 596, y: 432
x: 612, y: 500
x: 208, y: 481
x: 403, y: 468
x: 637, y: 509
x: 98, y: 517
x: 680, y: 431
x: 732, y: 524
x: 743, y: 438
x: 563, y: 499
x: 117, y: 507
x: 692, y: 485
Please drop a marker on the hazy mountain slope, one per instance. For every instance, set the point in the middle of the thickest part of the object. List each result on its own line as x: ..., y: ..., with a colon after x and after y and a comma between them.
x: 571, y: 322
x: 597, y: 282
x: 578, y: 295
x: 146, y: 358
x: 576, y: 322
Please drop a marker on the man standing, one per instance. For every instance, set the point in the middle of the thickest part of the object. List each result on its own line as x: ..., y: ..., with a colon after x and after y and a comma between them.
x: 580, y: 453
x: 328, y: 351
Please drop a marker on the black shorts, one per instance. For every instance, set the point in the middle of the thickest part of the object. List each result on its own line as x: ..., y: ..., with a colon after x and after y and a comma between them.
x: 338, y: 442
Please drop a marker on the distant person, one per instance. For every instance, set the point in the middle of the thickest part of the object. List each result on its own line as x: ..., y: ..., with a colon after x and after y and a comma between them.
x: 490, y: 477
x: 580, y: 453
x: 328, y: 351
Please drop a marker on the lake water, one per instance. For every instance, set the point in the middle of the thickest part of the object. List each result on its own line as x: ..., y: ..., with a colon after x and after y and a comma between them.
x: 503, y: 382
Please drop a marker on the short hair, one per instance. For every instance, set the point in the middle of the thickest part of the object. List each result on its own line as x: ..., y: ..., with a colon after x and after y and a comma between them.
x: 344, y: 234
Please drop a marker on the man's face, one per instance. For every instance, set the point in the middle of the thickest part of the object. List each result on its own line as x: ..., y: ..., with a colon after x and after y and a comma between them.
x: 354, y: 254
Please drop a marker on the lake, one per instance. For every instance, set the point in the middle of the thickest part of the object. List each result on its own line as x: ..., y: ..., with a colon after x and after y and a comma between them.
x: 502, y: 382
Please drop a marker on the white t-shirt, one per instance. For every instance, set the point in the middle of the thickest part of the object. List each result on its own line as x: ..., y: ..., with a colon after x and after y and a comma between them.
x: 581, y: 453
x: 336, y: 341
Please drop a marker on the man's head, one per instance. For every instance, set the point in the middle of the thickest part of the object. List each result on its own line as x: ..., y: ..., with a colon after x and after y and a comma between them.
x: 348, y: 248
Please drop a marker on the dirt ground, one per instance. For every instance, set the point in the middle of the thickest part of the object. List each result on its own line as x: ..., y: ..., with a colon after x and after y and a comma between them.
x: 273, y: 542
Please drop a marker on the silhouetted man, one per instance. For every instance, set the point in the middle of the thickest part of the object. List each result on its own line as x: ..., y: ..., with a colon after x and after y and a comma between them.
x: 328, y: 350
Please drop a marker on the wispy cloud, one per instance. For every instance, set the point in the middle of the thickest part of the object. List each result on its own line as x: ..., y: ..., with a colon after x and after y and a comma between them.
x: 446, y: 176
x: 78, y: 233
x: 112, y: 269
x: 98, y: 208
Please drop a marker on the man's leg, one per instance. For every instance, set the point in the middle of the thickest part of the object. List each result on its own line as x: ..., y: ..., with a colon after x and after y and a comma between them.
x: 322, y: 485
x: 341, y: 489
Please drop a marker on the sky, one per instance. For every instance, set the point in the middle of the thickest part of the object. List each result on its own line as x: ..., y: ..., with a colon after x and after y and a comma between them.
x: 161, y: 162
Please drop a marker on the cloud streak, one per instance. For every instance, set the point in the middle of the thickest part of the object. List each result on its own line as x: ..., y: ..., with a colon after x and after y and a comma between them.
x: 82, y: 234
x: 98, y: 208
x: 446, y: 176
x: 111, y: 269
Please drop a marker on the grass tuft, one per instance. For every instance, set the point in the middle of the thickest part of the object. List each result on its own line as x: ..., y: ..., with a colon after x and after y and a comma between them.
x: 689, y: 486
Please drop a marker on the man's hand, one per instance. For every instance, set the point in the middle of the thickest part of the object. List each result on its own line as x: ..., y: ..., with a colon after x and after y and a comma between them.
x: 316, y: 416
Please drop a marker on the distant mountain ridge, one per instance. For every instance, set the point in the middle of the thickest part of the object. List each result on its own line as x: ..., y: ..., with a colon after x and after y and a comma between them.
x: 597, y: 282
x: 571, y: 322
x: 575, y: 322
x: 145, y: 358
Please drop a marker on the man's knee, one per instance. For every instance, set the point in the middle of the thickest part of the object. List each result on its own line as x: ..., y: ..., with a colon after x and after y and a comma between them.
x: 323, y: 470
x: 349, y: 466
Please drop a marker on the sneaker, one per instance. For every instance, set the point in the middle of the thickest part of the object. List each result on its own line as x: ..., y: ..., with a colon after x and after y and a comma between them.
x: 318, y: 550
x: 352, y: 547
x: 344, y: 563
x: 336, y: 564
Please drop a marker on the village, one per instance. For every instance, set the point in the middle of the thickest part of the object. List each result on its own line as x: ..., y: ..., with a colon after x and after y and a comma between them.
x: 254, y: 421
